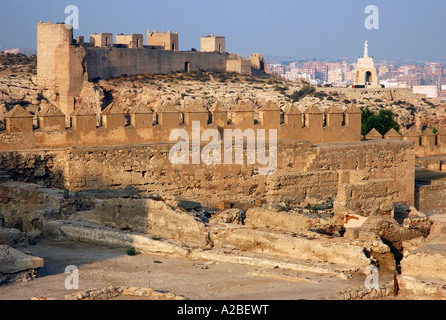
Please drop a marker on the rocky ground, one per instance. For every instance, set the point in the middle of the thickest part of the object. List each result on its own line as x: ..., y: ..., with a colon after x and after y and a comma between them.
x: 197, y: 280
x: 155, y: 247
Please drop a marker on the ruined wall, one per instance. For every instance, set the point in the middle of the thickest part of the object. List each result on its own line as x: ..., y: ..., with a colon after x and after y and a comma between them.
x: 431, y: 198
x: 70, y: 74
x: 238, y: 65
x: 257, y: 61
x: 130, y: 40
x: 381, y: 93
x: 101, y: 40
x: 380, y: 159
x: 305, y: 173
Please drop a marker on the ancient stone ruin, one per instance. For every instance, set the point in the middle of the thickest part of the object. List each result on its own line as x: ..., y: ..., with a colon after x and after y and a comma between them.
x: 335, y: 205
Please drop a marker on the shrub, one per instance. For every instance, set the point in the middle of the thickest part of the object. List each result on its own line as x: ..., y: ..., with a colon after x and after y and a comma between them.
x: 131, y: 252
x: 320, y: 95
x: 382, y: 122
x: 304, y: 91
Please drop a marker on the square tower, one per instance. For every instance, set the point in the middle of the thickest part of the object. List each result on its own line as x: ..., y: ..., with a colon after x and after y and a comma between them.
x: 130, y: 40
x: 213, y: 43
x: 101, y: 40
x: 164, y: 41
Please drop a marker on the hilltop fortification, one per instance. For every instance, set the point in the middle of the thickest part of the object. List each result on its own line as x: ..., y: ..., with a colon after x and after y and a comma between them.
x: 65, y: 63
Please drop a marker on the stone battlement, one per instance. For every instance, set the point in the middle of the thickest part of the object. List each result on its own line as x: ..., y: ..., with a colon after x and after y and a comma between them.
x: 426, y: 143
x: 146, y: 126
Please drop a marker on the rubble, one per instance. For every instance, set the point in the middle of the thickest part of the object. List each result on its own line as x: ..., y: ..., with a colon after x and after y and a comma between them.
x: 16, y: 266
x: 114, y: 292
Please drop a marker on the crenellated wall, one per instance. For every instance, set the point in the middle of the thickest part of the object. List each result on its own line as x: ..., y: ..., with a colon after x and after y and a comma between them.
x: 319, y: 155
x: 426, y: 143
x: 315, y: 126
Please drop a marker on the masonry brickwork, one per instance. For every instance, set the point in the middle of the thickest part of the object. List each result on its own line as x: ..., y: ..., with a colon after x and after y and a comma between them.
x: 305, y: 174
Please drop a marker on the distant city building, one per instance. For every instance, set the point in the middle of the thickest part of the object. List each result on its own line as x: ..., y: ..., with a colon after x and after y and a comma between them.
x: 343, y: 73
x: 25, y: 51
x: 442, y: 95
x: 335, y: 76
x: 429, y: 91
x: 276, y: 68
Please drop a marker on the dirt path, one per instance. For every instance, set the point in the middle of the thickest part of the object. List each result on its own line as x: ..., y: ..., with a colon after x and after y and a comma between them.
x: 197, y: 280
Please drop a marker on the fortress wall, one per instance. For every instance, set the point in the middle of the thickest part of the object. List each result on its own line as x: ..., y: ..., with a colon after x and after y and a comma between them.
x: 240, y: 66
x: 84, y: 131
x: 105, y: 62
x: 426, y: 143
x: 305, y: 173
x: 431, y: 198
x: 375, y: 93
x: 380, y: 159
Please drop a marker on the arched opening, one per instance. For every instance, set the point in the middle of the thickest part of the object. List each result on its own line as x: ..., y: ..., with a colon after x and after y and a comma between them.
x: 186, y: 66
x: 367, y: 77
x: 173, y: 46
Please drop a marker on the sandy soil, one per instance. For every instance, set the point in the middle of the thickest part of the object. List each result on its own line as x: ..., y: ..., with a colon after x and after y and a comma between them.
x: 197, y: 280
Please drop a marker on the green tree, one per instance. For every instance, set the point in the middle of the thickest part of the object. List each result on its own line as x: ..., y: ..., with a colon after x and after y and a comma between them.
x: 382, y: 122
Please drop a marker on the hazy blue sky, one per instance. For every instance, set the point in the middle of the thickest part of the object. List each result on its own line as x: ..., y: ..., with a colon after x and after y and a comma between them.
x: 408, y: 29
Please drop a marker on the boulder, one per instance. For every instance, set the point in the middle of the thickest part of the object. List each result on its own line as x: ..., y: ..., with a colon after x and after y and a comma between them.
x: 17, y: 266
x: 13, y: 237
x: 304, y: 245
x: 426, y: 257
x: 426, y: 261
x: 152, y: 217
x: 236, y: 216
x: 291, y: 221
